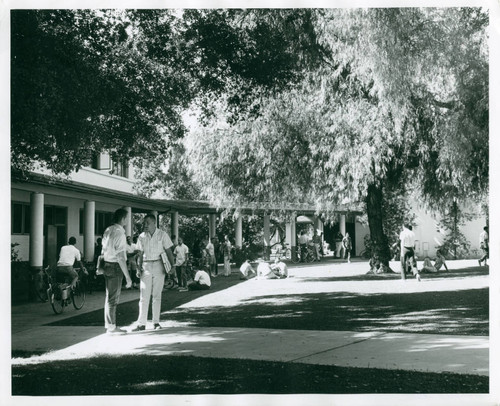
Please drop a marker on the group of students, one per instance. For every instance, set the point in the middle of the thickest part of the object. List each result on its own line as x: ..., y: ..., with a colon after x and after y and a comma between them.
x: 408, y: 257
x: 142, y: 261
x: 278, y: 270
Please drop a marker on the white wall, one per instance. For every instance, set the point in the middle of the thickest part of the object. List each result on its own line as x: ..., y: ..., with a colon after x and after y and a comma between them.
x: 99, y: 178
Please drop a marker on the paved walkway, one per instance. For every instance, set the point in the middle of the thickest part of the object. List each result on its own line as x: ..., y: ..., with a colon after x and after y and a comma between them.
x: 421, y: 352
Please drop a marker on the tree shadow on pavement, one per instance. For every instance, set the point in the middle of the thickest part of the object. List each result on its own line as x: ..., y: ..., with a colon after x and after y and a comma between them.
x: 463, y: 312
x: 452, y: 273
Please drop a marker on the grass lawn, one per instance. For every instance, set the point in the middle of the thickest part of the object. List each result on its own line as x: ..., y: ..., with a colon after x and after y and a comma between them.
x: 142, y: 375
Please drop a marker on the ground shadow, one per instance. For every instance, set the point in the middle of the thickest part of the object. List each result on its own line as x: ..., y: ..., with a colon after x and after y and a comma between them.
x: 462, y: 312
x: 453, y: 273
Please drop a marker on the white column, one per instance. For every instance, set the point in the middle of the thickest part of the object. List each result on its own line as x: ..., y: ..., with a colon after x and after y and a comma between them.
x: 267, y: 236
x: 36, y: 231
x: 128, y: 226
x: 88, y: 230
x: 342, y: 224
x: 174, y: 225
x: 238, y: 237
x: 212, y: 225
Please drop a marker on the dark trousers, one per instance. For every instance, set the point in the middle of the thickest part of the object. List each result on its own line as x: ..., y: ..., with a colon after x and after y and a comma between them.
x: 181, y: 275
x: 197, y: 286
x: 113, y: 276
x: 408, y: 253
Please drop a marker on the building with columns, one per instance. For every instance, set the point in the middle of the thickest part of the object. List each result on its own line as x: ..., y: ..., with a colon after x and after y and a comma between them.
x: 45, y: 212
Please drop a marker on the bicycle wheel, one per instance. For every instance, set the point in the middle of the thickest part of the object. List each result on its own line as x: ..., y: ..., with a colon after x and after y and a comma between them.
x: 78, y: 295
x: 309, y: 256
x: 41, y: 285
x: 287, y: 254
x: 56, y: 300
x: 295, y: 258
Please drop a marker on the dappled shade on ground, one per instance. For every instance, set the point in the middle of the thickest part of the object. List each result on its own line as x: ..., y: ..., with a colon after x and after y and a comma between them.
x: 462, y: 312
x: 142, y: 375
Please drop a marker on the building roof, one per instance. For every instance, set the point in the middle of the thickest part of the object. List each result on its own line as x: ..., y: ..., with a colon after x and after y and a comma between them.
x: 143, y: 203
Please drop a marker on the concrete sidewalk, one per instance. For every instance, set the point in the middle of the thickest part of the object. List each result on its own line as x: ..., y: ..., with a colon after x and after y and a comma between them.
x: 420, y: 352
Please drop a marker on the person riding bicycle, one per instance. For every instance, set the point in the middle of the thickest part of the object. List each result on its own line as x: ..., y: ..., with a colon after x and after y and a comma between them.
x: 68, y: 256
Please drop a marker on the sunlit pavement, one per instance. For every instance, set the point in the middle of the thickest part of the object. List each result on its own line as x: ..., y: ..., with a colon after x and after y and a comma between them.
x: 421, y: 352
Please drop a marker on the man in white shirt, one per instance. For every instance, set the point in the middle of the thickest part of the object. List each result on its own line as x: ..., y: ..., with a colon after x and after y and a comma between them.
x: 246, y: 270
x: 280, y: 267
x: 68, y: 256
x: 407, y: 238
x: 152, y: 243
x: 201, y: 281
x: 181, y: 254
x: 114, y: 248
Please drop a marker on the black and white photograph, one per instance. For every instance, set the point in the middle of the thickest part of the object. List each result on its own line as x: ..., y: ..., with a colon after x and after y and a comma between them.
x: 250, y: 203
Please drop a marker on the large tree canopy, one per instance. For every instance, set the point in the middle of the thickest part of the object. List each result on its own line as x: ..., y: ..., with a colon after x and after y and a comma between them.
x: 400, y: 100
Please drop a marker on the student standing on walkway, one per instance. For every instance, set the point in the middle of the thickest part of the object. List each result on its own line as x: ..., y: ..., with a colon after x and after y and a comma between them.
x: 407, y: 238
x: 212, y: 262
x: 347, y: 244
x: 152, y: 243
x: 114, y: 248
x: 338, y: 244
x: 226, y: 250
x: 484, y: 244
x: 181, y: 252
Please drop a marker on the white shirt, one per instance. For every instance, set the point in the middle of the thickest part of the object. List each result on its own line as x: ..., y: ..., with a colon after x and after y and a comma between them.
x: 68, y: 255
x: 263, y: 269
x: 210, y: 249
x: 246, y: 268
x: 203, y: 278
x: 114, y: 243
x: 407, y: 238
x: 281, y: 267
x: 152, y: 246
x: 483, y: 237
x: 180, y: 253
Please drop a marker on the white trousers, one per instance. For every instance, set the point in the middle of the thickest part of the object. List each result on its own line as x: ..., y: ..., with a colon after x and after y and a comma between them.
x: 152, y: 279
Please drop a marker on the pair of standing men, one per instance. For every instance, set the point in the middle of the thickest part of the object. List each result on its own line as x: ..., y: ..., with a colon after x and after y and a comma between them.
x: 152, y: 243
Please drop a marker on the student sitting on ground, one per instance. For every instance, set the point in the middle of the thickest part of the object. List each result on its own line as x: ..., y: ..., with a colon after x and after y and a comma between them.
x: 246, y: 270
x: 280, y: 267
x: 201, y: 281
x: 440, y: 260
x: 264, y: 271
x: 428, y: 267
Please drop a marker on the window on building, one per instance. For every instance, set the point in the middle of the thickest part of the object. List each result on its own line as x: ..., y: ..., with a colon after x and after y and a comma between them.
x: 21, y: 218
x: 101, y: 162
x: 80, y: 227
x: 120, y: 168
x: 102, y: 221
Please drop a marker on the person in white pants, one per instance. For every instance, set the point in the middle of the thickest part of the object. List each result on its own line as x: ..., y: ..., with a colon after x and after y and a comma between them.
x: 151, y: 245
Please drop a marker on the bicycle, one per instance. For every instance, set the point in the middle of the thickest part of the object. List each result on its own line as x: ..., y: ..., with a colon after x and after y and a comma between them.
x: 308, y: 256
x: 60, y: 293
x: 41, y: 282
x: 283, y: 252
x: 170, y: 281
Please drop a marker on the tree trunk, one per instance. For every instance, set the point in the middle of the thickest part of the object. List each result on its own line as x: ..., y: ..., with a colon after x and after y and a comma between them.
x: 374, y: 209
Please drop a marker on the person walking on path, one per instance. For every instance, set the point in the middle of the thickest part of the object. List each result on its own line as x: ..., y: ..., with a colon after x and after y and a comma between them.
x: 407, y: 238
x: 152, y: 243
x: 181, y: 255
x: 68, y: 256
x: 114, y: 248
x: 347, y: 244
x: 212, y: 263
x: 338, y: 244
x: 226, y: 250
x: 316, y: 239
x: 484, y: 244
x: 303, y: 241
